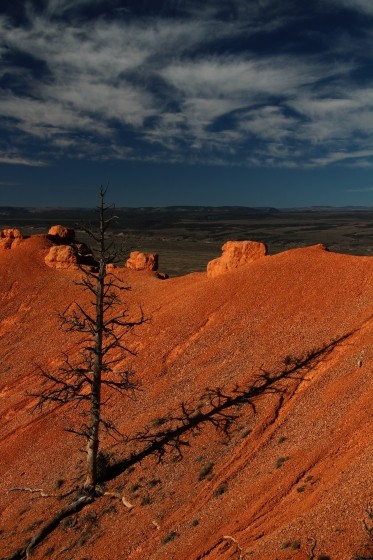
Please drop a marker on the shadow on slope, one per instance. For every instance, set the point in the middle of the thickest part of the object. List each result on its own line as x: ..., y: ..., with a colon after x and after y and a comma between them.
x: 216, y: 407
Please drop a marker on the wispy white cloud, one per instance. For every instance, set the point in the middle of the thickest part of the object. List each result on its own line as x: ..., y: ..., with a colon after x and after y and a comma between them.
x: 365, y: 6
x: 58, y: 7
x: 244, y: 89
x: 161, y: 84
x: 343, y: 156
x: 97, y: 74
x: 359, y: 189
x: 45, y: 118
x: 19, y: 160
x: 268, y: 123
x: 236, y: 77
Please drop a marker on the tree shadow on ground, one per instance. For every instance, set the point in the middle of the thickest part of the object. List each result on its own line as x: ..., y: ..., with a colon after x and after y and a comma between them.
x: 217, y: 407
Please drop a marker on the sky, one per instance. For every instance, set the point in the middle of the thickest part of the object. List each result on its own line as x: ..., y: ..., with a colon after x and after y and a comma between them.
x: 186, y: 102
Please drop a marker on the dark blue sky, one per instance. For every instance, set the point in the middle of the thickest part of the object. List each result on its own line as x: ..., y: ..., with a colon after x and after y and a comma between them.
x: 259, y: 103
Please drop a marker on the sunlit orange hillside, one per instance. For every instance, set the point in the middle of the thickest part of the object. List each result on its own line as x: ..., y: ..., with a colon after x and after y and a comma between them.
x: 250, y: 434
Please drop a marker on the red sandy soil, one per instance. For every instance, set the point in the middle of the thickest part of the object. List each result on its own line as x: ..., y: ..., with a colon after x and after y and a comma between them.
x: 295, y: 470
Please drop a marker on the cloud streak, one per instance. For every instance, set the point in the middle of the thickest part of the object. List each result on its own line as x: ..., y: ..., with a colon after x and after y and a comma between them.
x: 366, y: 189
x: 18, y: 160
x: 364, y: 6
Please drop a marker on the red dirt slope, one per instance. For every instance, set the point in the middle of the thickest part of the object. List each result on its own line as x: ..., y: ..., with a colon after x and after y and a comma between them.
x: 292, y: 473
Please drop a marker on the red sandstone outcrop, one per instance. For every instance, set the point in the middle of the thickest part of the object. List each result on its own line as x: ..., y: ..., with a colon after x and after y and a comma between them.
x: 236, y: 254
x: 62, y: 256
x: 10, y: 238
x: 142, y: 261
x: 62, y: 234
x: 67, y: 252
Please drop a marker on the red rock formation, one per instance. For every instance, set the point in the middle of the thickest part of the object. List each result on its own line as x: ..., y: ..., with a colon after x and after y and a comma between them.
x: 10, y: 238
x: 62, y: 234
x: 62, y: 256
x: 142, y: 261
x: 236, y: 254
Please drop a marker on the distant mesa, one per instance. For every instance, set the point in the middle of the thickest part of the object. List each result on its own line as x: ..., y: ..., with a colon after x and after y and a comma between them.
x: 10, y: 238
x: 234, y: 255
x: 142, y: 261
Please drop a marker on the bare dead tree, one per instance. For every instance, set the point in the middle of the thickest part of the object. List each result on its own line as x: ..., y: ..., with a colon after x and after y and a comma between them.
x: 104, y: 324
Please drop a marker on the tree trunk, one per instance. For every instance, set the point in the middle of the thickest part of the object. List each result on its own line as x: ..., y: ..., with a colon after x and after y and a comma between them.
x: 94, y: 426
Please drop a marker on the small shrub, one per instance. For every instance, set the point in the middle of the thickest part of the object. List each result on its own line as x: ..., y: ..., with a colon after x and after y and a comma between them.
x: 110, y: 509
x: 59, y: 483
x: 282, y: 439
x: 295, y: 545
x: 289, y: 361
x: 134, y: 487
x: 69, y: 522
x: 170, y: 537
x: 301, y: 489
x: 146, y: 501
x: 195, y: 522
x: 246, y: 432
x: 159, y: 422
x: 280, y: 462
x: 205, y: 471
x: 220, y: 490
x: 154, y: 482
x: 90, y: 518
